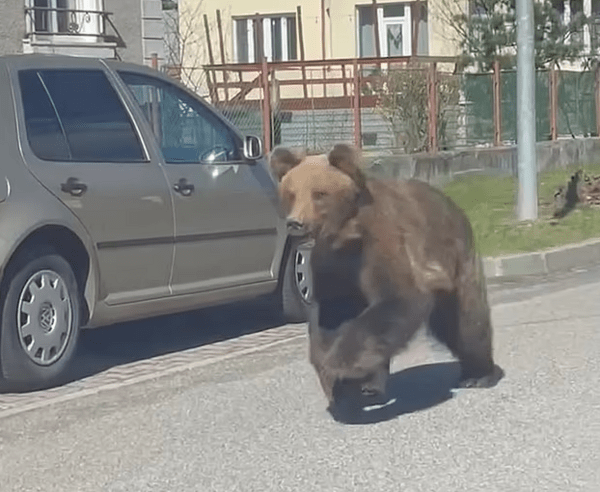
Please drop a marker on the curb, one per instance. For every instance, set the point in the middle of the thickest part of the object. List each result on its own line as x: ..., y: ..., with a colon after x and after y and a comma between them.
x: 559, y: 259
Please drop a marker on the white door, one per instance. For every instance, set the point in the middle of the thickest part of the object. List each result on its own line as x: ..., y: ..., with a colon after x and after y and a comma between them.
x: 394, y: 29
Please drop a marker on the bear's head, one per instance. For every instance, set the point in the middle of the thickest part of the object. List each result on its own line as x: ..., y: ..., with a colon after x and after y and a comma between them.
x: 321, y: 194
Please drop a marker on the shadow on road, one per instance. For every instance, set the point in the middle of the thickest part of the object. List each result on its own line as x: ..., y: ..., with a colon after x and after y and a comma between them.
x: 106, y: 347
x: 413, y: 389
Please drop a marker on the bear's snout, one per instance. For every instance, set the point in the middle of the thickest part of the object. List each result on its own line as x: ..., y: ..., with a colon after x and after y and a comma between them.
x: 295, y: 226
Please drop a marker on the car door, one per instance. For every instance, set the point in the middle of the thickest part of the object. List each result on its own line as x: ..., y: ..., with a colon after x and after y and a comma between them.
x: 82, y: 144
x: 225, y: 209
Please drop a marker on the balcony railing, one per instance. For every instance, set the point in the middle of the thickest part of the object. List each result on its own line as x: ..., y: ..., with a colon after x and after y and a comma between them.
x: 56, y: 21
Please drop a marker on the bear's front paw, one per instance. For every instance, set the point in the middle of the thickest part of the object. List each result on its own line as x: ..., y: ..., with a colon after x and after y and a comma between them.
x: 487, y: 381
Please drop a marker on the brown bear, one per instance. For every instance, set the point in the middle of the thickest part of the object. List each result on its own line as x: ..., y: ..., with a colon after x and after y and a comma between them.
x: 387, y: 257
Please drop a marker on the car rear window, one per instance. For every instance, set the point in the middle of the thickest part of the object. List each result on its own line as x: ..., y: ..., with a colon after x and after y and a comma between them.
x: 46, y: 138
x: 76, y: 115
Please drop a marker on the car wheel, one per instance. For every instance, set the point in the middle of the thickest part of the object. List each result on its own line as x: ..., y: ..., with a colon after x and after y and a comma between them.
x: 40, y: 321
x: 296, y: 290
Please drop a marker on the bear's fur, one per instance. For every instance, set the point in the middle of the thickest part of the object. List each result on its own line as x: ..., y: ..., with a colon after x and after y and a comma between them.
x: 388, y: 256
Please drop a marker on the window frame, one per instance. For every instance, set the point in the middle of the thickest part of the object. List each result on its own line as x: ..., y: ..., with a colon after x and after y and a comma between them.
x: 267, y: 24
x: 383, y: 22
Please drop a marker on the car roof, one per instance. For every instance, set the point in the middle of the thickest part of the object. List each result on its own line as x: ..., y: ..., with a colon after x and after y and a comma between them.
x: 39, y: 60
x: 50, y: 60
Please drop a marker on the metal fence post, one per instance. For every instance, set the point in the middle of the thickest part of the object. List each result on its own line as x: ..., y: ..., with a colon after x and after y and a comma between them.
x: 301, y: 46
x: 212, y: 83
x: 266, y: 106
x: 264, y: 72
x: 222, y: 49
x: 433, y: 103
x: 356, y: 108
x: 497, y: 94
x: 597, y: 91
x: 553, y: 104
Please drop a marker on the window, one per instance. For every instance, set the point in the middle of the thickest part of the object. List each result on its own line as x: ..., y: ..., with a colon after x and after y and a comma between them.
x: 48, y: 20
x: 279, y: 39
x: 394, y: 30
x: 187, y: 130
x: 76, y: 115
x: 66, y: 16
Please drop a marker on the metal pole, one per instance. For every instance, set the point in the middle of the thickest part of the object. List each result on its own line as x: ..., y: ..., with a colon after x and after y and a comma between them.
x: 527, y: 204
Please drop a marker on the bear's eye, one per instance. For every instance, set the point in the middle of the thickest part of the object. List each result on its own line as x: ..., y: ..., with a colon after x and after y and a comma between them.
x: 319, y: 195
x: 289, y: 196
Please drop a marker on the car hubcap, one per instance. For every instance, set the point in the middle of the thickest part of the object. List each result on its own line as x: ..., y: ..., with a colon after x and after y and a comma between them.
x: 44, y: 317
x: 302, y: 273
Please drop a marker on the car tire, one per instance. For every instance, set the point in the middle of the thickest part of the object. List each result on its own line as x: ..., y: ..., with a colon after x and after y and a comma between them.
x: 41, y: 312
x: 296, y: 289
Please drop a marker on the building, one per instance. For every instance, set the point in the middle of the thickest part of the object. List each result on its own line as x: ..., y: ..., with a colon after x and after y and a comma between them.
x: 330, y: 28
x: 290, y: 30
x: 337, y: 29
x: 316, y: 103
x: 130, y: 30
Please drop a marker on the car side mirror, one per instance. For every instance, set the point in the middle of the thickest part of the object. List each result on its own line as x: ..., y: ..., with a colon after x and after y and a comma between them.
x: 252, y: 148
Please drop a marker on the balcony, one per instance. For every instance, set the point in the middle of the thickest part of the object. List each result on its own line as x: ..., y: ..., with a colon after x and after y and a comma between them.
x: 71, y: 32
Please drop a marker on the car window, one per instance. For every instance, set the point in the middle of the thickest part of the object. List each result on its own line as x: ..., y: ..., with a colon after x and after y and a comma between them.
x: 76, y: 115
x: 44, y: 133
x: 188, y: 131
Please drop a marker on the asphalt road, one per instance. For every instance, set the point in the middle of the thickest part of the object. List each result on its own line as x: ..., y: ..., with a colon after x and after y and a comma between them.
x: 252, y: 416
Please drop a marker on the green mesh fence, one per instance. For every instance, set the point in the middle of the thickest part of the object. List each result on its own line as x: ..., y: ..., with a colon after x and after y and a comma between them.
x: 509, y: 105
x: 451, y: 121
x: 478, y: 108
x: 576, y: 106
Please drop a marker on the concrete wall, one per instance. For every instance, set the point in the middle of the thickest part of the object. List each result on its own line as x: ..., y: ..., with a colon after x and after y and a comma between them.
x: 153, y: 31
x: 445, y: 166
x: 172, y: 43
x: 127, y: 15
x: 12, y: 26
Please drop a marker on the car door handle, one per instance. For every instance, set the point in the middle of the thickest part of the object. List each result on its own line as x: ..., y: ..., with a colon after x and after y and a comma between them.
x: 74, y: 187
x: 183, y: 187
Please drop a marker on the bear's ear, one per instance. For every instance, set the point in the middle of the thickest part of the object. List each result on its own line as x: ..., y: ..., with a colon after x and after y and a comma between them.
x: 345, y: 158
x: 282, y: 160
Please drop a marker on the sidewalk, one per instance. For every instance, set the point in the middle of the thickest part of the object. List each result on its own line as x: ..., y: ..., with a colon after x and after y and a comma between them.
x: 559, y: 259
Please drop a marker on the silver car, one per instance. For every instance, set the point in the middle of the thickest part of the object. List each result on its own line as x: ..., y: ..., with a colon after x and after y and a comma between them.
x: 124, y: 196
